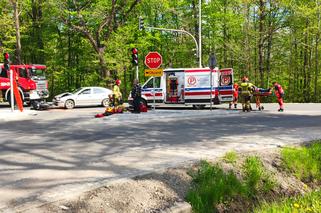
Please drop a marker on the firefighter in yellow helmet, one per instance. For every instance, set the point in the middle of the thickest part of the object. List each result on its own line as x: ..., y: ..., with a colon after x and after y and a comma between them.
x: 246, y: 91
x: 116, y: 93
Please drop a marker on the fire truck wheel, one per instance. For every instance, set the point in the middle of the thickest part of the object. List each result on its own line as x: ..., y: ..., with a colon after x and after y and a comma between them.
x: 69, y: 104
x: 14, y: 100
x: 105, y: 102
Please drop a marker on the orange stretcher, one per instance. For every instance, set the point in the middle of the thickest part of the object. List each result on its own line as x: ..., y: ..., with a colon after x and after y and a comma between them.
x: 259, y: 93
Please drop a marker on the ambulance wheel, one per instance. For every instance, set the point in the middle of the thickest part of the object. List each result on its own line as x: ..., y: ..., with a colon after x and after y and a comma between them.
x: 143, y: 101
x: 105, y: 102
x: 69, y: 104
x: 198, y: 106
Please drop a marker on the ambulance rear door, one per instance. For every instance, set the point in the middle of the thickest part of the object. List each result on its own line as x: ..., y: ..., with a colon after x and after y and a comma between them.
x: 225, y: 88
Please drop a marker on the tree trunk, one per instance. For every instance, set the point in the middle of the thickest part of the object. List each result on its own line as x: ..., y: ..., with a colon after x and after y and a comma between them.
x: 261, y: 40
x: 305, y: 63
x: 316, y: 74
x: 15, y: 5
x: 246, y: 31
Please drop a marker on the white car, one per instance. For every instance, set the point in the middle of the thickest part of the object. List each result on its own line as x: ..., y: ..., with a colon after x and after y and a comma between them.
x: 84, y: 96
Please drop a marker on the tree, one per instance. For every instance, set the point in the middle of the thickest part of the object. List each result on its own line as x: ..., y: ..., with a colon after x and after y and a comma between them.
x: 96, y: 21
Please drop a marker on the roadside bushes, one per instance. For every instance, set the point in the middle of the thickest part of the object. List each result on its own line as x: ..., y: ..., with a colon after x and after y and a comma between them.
x: 247, y: 182
x: 303, y: 162
x: 213, y: 186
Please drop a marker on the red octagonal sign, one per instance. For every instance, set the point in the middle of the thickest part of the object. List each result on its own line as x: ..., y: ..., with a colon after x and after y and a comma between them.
x: 153, y: 60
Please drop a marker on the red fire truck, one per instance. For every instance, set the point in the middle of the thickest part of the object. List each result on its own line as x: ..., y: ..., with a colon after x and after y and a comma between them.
x: 31, y: 80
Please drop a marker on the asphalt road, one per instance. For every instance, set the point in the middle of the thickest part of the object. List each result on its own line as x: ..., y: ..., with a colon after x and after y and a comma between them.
x: 56, y: 154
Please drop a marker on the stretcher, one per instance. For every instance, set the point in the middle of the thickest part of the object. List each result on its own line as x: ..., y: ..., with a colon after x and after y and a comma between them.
x: 258, y: 94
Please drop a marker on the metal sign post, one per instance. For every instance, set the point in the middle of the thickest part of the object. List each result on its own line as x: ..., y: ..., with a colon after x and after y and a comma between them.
x: 212, y: 64
x: 11, y: 91
x: 154, y: 93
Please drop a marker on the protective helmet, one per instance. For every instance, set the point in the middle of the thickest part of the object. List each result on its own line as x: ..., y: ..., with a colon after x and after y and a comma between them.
x: 245, y: 79
x: 117, y: 82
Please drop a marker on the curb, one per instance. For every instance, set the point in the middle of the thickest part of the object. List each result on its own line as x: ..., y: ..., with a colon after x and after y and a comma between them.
x: 181, y: 207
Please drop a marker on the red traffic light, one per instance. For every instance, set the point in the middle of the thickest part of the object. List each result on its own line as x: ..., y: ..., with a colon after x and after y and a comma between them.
x: 134, y: 51
x: 6, y: 56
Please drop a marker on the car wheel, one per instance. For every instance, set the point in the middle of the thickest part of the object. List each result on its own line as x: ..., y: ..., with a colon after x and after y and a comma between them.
x: 105, y: 102
x: 69, y: 104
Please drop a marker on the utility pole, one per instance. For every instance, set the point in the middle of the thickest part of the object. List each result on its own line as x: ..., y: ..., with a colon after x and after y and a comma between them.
x: 200, y: 32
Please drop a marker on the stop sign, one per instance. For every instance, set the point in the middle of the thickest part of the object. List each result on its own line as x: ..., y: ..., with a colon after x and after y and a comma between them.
x: 153, y: 60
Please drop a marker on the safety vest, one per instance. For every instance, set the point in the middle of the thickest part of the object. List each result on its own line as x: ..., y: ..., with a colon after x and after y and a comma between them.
x: 117, y: 92
x: 246, y: 88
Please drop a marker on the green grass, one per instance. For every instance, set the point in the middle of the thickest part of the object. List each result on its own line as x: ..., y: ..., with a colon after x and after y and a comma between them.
x: 305, y: 204
x: 212, y: 186
x: 230, y: 157
x: 303, y: 162
x: 256, y: 179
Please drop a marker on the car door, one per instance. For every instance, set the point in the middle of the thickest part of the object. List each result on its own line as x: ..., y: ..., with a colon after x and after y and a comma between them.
x: 84, y: 97
x: 99, y: 94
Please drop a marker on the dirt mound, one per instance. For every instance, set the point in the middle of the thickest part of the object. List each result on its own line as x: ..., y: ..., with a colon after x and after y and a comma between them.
x: 156, y: 192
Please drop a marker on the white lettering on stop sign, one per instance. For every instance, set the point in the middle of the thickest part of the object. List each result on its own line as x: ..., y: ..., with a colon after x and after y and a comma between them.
x: 153, y: 60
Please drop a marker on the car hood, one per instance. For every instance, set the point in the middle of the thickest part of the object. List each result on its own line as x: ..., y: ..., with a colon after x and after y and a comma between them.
x: 65, y: 94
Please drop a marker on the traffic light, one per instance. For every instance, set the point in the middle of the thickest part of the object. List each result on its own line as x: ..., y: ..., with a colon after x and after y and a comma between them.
x: 141, y: 23
x: 6, y: 61
x: 135, y: 56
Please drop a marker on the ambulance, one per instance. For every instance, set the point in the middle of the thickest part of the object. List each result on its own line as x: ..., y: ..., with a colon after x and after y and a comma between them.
x: 189, y: 86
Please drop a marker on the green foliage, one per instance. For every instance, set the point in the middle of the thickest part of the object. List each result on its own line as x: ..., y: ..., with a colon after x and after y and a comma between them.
x: 230, y: 157
x: 302, y: 204
x: 230, y: 29
x: 303, y: 162
x: 255, y: 177
x: 212, y: 186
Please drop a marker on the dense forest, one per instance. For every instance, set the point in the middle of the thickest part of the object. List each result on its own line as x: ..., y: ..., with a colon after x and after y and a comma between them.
x: 89, y: 42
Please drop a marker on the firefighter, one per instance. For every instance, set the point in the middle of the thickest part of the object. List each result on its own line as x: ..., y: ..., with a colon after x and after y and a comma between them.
x: 136, y: 95
x: 117, y: 96
x: 247, y: 90
x: 279, y: 93
x: 235, y: 96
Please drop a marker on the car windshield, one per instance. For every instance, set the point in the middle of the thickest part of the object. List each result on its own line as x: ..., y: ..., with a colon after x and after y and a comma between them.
x: 36, y: 72
x: 77, y: 90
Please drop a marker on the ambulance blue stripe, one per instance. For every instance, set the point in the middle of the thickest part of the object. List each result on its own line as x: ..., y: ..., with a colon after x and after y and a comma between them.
x: 151, y: 89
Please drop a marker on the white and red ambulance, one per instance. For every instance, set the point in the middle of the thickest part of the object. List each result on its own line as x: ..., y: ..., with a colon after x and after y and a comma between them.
x: 189, y: 86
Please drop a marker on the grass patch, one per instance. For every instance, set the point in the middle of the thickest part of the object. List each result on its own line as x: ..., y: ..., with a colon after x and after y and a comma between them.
x: 256, y: 179
x: 308, y: 203
x: 303, y: 162
x: 212, y: 186
x: 230, y: 157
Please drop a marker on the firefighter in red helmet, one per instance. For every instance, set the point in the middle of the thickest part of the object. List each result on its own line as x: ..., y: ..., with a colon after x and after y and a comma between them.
x: 116, y: 93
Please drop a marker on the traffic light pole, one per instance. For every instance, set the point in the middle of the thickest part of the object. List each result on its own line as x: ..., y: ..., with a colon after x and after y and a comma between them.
x: 182, y: 31
x: 137, y: 73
